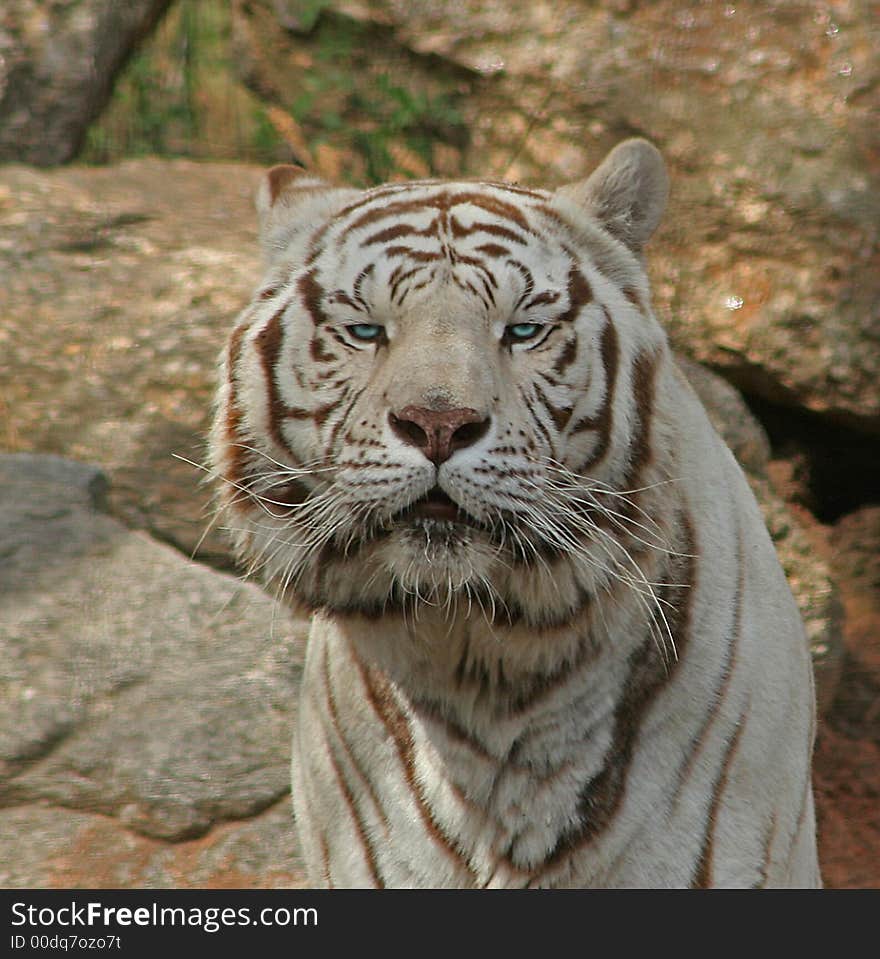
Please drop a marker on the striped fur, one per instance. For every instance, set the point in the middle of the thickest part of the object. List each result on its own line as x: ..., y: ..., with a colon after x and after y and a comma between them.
x: 552, y: 644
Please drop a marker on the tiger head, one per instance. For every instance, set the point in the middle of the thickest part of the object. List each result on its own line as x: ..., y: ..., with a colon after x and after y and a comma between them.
x: 443, y: 390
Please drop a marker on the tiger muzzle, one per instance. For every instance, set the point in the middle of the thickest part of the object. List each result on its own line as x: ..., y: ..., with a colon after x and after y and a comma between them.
x: 439, y: 434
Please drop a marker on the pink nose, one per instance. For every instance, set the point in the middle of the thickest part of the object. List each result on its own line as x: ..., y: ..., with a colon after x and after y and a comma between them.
x: 439, y: 435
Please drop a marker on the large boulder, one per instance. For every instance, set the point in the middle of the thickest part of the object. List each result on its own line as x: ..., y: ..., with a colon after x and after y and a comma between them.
x: 151, y: 695
x: 57, y: 65
x: 120, y: 285
x: 767, y: 266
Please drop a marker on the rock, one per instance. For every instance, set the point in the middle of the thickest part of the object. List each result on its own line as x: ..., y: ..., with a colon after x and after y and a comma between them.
x: 847, y: 763
x: 58, y: 62
x: 136, y: 684
x: 44, y: 847
x: 767, y: 267
x: 855, y: 548
x: 856, y: 541
x: 120, y: 285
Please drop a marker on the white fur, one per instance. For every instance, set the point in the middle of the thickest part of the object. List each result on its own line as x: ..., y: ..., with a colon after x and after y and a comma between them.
x: 494, y: 729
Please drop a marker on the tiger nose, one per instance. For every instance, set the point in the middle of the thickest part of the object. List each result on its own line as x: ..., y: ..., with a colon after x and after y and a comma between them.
x: 439, y: 434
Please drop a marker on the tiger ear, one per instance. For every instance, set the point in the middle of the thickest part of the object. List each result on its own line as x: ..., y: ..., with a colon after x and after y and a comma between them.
x: 291, y: 200
x: 626, y: 193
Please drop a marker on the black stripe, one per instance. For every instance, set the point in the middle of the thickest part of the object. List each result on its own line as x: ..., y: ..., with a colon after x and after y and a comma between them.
x: 649, y: 672
x: 346, y: 790
x: 382, y: 700
x: 702, y: 878
x: 734, y: 635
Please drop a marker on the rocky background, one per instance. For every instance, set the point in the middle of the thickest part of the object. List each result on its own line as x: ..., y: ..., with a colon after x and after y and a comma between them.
x: 146, y: 692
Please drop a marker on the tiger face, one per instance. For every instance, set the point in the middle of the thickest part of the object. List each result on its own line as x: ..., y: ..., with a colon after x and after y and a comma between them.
x: 443, y: 390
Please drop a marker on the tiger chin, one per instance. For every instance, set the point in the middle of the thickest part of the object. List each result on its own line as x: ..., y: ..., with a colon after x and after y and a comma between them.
x: 551, y: 641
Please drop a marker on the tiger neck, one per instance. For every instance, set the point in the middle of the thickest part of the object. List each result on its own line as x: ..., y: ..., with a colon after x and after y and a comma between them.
x: 470, y: 675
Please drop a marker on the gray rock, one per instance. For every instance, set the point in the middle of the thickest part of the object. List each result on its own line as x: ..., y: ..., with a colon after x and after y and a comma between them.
x: 57, y: 66
x: 119, y: 286
x: 136, y: 684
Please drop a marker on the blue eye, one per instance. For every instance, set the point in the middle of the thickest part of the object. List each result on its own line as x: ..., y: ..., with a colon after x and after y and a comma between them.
x: 366, y: 331
x: 522, y: 331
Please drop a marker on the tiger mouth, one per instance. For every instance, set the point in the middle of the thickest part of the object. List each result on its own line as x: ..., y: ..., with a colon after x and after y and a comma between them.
x: 437, y: 505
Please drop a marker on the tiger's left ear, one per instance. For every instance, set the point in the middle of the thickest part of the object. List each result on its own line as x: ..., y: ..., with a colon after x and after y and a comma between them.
x: 290, y: 200
x: 626, y: 193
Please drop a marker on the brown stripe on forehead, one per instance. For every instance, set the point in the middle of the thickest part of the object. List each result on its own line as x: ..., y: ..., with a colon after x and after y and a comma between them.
x: 401, y: 229
x: 384, y: 211
x: 443, y: 200
x: 552, y: 214
x: 514, y: 188
x: 602, y: 422
x: 459, y: 231
x: 493, y: 249
x: 492, y: 204
x: 419, y: 256
x: 378, y: 193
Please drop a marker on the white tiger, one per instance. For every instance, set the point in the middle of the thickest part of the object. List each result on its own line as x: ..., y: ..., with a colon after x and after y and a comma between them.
x: 552, y: 644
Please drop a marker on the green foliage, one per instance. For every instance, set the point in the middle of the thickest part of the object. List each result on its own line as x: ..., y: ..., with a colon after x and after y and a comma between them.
x: 352, y: 88
x: 178, y: 96
x: 309, y: 11
x: 378, y: 108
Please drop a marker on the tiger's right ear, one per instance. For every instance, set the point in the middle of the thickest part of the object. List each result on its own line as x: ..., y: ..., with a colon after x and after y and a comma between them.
x: 291, y: 200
